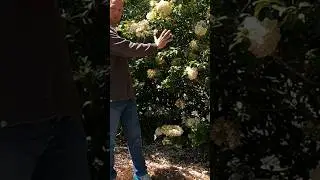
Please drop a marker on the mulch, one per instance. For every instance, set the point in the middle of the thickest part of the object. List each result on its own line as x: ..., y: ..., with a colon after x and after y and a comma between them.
x: 164, y: 163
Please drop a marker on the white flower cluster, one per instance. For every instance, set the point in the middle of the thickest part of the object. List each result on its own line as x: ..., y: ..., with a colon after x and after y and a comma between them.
x: 201, y: 28
x: 180, y: 104
x: 160, y: 9
x: 191, y: 122
x: 163, y: 8
x: 192, y: 72
x: 168, y: 130
x: 194, y: 45
x: 153, y: 3
x: 151, y: 73
x: 140, y: 29
x: 151, y: 15
x: 264, y: 36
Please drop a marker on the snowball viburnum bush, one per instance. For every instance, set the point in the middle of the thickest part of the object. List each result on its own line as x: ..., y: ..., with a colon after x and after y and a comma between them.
x: 174, y: 79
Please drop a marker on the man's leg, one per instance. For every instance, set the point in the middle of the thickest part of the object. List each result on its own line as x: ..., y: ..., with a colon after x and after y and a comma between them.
x: 65, y: 157
x: 131, y: 125
x: 20, y: 147
x: 116, y: 108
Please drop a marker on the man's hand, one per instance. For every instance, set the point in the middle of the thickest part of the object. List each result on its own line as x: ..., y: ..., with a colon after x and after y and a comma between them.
x: 164, y: 38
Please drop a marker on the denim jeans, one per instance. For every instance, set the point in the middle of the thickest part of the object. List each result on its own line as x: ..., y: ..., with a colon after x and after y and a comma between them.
x: 53, y: 149
x: 126, y: 112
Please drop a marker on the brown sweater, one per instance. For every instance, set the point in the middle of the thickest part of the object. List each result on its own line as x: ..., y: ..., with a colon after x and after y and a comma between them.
x: 121, y: 50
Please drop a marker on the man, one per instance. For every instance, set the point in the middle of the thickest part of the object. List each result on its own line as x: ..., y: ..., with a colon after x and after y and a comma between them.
x: 41, y: 135
x: 122, y: 98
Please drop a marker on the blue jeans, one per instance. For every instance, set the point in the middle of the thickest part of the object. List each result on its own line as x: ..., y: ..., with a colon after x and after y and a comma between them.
x: 126, y: 112
x: 54, y: 149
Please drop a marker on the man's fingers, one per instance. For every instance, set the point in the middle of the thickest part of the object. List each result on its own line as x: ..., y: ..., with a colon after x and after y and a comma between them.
x: 164, y: 38
x: 162, y: 33
x: 166, y: 34
x: 169, y: 36
x: 169, y: 40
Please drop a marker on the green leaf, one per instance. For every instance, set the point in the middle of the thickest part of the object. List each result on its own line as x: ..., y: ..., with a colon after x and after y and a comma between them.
x: 304, y: 4
x: 238, y: 41
x: 261, y: 4
x: 302, y: 17
x: 281, y: 9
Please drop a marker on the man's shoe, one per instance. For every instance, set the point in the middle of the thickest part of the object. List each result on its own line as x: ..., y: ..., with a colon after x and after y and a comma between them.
x: 145, y: 177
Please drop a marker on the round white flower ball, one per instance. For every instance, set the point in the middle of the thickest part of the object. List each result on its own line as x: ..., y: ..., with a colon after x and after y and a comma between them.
x: 192, y: 73
x: 163, y: 8
x: 194, y: 45
x: 200, y: 28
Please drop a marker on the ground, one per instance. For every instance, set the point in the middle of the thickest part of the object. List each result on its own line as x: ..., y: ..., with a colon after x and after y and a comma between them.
x: 164, y: 162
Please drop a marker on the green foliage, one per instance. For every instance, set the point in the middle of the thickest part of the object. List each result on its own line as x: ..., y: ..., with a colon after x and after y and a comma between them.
x: 165, y: 94
x: 86, y: 36
x: 267, y: 89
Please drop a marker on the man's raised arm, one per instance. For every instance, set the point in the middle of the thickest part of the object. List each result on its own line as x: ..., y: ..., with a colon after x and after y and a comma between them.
x: 122, y: 47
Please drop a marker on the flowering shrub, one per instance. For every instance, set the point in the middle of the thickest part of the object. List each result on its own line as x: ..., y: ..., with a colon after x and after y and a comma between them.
x: 173, y: 85
x: 267, y: 88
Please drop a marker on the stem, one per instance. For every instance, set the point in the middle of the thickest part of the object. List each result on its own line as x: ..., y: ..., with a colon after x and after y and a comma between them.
x: 307, y: 80
x: 246, y: 6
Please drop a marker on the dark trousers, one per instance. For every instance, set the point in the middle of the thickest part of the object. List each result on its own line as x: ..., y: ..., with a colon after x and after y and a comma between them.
x: 53, y: 149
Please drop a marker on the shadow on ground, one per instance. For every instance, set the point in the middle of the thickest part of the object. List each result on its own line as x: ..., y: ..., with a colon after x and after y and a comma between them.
x: 164, y: 163
x: 168, y: 173
x: 178, y: 155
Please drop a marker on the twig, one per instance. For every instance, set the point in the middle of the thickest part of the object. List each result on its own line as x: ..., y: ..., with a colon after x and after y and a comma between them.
x: 246, y: 6
x: 309, y: 81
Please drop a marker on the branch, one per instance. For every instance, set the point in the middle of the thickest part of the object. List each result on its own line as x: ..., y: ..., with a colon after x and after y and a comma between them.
x: 307, y: 80
x: 246, y: 6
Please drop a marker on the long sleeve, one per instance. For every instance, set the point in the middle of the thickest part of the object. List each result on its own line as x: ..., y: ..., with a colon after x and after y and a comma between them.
x: 124, y: 48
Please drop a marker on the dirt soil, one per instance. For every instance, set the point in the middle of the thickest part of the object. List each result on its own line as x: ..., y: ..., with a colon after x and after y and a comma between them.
x: 164, y: 163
